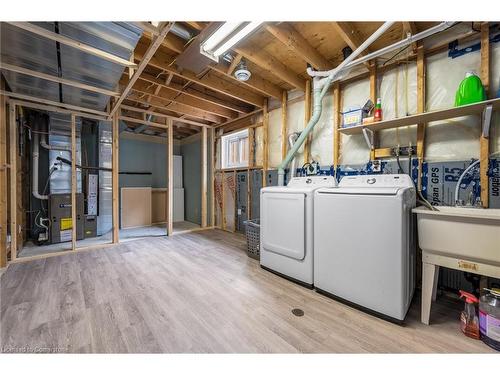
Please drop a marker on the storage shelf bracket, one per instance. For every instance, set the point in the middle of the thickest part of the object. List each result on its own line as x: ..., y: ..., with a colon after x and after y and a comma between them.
x: 486, y: 120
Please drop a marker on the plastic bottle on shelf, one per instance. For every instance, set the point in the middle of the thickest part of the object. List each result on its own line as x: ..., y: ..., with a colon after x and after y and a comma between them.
x: 469, y: 323
x: 470, y: 90
x: 378, y: 110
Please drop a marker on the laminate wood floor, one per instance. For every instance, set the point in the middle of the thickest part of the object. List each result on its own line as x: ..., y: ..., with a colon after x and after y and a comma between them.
x: 195, y: 292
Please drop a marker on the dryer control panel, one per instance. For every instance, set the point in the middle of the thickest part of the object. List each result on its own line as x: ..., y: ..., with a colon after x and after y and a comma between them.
x: 377, y: 180
x: 319, y: 181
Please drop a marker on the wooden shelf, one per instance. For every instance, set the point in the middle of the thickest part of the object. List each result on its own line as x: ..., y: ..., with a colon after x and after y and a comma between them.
x: 443, y: 114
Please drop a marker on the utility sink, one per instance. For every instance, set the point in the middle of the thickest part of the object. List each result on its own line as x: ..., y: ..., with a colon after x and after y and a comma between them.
x: 469, y: 233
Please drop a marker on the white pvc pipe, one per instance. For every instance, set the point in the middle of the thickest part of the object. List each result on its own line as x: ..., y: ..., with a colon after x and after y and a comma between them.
x: 393, y: 47
x: 34, y: 169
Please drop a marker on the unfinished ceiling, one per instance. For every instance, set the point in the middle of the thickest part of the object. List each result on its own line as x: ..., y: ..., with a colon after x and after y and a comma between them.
x: 277, y: 55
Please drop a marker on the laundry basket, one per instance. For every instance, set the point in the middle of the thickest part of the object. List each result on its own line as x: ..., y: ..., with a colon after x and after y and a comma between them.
x: 253, y: 238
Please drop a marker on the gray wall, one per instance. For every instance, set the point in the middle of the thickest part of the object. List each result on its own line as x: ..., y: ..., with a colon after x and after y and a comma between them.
x: 142, y: 156
x: 191, y: 160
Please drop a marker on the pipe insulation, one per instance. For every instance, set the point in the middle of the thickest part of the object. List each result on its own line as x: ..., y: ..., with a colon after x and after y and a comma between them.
x: 322, y: 80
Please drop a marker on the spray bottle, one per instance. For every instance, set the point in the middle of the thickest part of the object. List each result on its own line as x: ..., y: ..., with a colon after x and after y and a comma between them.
x: 469, y: 323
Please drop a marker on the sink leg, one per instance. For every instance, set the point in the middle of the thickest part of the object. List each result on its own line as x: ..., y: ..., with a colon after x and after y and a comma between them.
x: 435, y: 285
x: 429, y: 284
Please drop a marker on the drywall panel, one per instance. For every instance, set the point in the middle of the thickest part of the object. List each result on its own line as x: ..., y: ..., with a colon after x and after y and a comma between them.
x: 135, y: 207
x: 353, y: 149
x: 159, y: 210
x: 275, y: 138
x: 444, y: 75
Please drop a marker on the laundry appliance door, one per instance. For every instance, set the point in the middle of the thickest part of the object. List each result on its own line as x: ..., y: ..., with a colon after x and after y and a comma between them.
x: 283, y: 224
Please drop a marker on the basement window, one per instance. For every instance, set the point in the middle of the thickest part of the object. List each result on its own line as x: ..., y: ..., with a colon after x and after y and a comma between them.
x: 235, y: 150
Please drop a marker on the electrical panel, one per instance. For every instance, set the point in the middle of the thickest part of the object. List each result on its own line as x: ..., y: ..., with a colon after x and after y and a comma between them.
x: 92, y: 186
x: 241, y: 200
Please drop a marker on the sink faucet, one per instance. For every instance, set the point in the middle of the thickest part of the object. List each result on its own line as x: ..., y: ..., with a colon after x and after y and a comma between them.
x: 471, y: 202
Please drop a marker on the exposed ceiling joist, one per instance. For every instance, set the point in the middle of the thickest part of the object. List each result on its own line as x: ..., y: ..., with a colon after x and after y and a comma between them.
x: 255, y: 82
x: 73, y: 43
x: 239, y: 118
x: 159, y: 114
x: 291, y: 38
x: 168, y: 84
x: 174, y: 107
x: 271, y: 64
x: 48, y: 77
x: 164, y: 30
x: 163, y: 62
x: 350, y: 37
x: 179, y: 97
x: 196, y: 25
x: 234, y: 63
x: 143, y: 122
x: 411, y: 28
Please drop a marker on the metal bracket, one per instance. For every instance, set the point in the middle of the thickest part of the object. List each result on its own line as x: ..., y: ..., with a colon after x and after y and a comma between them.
x: 486, y: 120
x: 369, y: 138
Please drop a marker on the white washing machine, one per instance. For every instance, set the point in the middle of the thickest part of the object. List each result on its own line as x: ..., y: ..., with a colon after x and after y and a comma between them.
x: 364, y: 243
x: 286, y: 227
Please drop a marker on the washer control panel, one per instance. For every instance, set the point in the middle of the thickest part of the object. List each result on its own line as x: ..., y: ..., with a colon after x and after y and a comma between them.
x: 323, y: 181
x: 377, y: 180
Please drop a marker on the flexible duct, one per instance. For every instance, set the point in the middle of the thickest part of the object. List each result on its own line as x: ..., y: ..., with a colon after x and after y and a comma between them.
x: 320, y: 88
x: 292, y: 138
x: 323, y: 79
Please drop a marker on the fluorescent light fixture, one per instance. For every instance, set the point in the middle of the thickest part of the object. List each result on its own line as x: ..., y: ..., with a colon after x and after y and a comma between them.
x: 225, y: 37
x: 237, y: 37
x: 221, y: 33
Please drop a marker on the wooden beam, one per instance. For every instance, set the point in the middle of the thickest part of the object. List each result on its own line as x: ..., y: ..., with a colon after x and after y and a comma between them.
x: 284, y: 127
x: 159, y: 101
x: 293, y: 40
x: 170, y: 178
x: 164, y: 62
x: 251, y: 147
x: 255, y: 82
x: 73, y: 43
x: 13, y: 179
x: 195, y: 25
x: 265, y: 142
x: 142, y: 65
x: 238, y: 118
x: 484, y: 141
x: 212, y: 176
x: 115, y: 176
x: 350, y: 37
x: 234, y: 63
x: 182, y: 89
x: 48, y: 77
x: 179, y: 97
x: 52, y: 103
x: 420, y: 109
x: 273, y: 65
x: 410, y: 28
x: 336, y: 124
x: 159, y: 114
x: 73, y: 182
x: 3, y: 177
x: 143, y: 122
x: 204, y: 176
